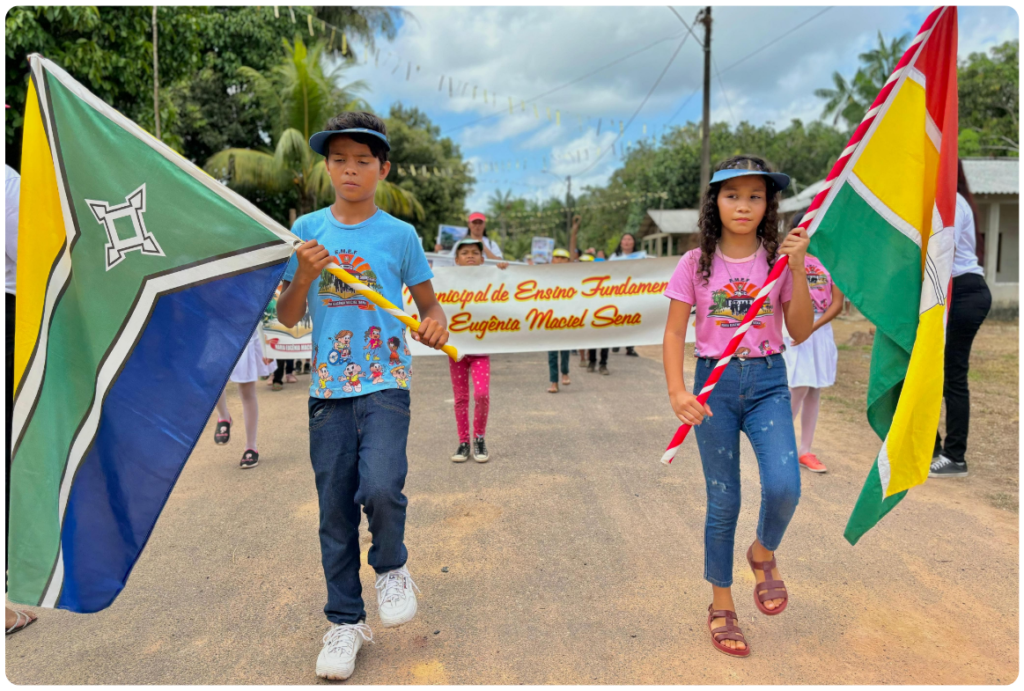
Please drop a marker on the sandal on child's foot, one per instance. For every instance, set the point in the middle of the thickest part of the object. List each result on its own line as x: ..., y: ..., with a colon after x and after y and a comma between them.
x: 729, y: 632
x: 769, y: 588
x: 222, y: 433
x: 565, y: 380
x: 249, y: 459
x: 553, y: 388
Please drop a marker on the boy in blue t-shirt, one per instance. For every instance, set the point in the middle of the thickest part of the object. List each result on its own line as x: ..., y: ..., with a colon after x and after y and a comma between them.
x: 359, y: 402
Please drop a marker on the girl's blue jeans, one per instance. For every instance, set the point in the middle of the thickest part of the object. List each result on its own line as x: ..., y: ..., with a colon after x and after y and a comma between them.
x: 752, y: 396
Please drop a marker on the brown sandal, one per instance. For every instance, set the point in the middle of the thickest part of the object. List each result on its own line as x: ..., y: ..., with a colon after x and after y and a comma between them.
x: 769, y: 589
x: 729, y: 632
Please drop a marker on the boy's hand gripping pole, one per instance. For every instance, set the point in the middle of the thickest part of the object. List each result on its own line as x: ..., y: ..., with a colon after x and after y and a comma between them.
x: 378, y: 299
x: 716, y: 373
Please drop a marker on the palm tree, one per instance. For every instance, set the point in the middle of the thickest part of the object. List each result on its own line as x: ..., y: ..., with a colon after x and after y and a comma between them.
x: 880, y: 62
x: 364, y: 22
x: 302, y: 97
x: 841, y: 101
x: 851, y: 99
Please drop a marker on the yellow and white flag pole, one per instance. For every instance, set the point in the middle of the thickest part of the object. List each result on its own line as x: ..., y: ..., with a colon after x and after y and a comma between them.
x: 379, y: 300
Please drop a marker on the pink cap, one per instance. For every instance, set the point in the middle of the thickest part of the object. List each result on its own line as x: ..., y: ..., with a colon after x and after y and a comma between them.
x: 477, y: 216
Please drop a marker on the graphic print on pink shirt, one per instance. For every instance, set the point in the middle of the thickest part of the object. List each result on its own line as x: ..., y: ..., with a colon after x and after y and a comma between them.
x: 819, y: 280
x: 720, y: 304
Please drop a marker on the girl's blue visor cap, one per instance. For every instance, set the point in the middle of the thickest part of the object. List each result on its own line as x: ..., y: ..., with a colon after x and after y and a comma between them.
x: 318, y: 142
x: 781, y: 180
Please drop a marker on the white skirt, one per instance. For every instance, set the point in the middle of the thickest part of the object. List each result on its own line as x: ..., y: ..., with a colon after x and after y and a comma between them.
x: 812, y: 363
x: 250, y: 366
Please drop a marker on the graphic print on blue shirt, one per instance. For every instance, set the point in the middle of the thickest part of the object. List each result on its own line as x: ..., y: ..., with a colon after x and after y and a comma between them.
x: 350, y: 335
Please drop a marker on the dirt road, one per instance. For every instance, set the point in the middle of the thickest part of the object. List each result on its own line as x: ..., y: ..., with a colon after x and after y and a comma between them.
x: 573, y: 557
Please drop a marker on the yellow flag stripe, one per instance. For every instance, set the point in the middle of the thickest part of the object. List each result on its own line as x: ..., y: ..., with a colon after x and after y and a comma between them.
x: 900, y: 163
x: 911, y: 438
x: 41, y: 233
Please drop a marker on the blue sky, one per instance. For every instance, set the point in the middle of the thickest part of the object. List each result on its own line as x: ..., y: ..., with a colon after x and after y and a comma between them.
x: 524, y: 52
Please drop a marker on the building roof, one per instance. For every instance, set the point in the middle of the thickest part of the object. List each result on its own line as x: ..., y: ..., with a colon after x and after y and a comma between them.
x: 675, y: 221
x: 993, y: 175
x: 802, y: 200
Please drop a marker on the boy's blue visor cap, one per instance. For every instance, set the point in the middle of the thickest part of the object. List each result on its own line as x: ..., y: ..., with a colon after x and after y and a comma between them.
x: 318, y: 142
x: 781, y: 180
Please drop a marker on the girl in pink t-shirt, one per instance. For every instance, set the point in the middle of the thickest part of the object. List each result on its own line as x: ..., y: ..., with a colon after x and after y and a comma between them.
x: 811, y: 364
x: 718, y: 282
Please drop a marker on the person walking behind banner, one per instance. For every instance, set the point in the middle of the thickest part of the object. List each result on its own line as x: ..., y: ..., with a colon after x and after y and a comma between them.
x: 968, y: 307
x: 358, y: 424
x: 470, y: 252
x: 478, y: 231
x: 738, y: 245
x: 811, y: 364
x: 16, y: 620
x: 249, y: 368
x: 626, y: 249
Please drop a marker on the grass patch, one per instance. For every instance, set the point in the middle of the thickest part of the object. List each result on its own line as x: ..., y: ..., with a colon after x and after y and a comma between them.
x: 1005, y: 501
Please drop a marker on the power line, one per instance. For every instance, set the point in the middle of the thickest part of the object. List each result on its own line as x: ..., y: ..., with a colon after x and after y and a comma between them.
x: 772, y: 43
x: 569, y: 83
x: 688, y: 28
x: 721, y: 86
x: 680, y: 110
x: 640, y: 107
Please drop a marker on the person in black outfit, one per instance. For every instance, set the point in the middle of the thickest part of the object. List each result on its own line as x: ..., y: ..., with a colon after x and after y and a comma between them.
x: 969, y: 305
x: 592, y: 359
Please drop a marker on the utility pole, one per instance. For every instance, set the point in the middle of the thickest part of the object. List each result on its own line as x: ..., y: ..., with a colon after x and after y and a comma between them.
x: 705, y: 144
x: 156, y: 80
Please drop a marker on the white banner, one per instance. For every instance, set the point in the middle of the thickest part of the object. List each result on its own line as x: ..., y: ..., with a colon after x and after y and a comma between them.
x: 552, y: 307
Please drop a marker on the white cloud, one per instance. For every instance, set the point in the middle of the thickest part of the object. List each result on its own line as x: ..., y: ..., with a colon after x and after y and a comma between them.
x: 528, y: 51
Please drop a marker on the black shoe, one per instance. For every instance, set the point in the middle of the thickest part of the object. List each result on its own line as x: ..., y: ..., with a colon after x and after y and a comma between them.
x: 603, y: 369
x: 630, y: 352
x: 462, y: 453
x: 222, y: 433
x: 947, y: 467
x: 615, y: 350
x: 591, y: 367
x: 249, y: 459
x: 480, y: 454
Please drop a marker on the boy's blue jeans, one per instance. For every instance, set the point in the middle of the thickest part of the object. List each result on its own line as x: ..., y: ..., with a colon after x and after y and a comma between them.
x: 357, y: 446
x: 752, y: 396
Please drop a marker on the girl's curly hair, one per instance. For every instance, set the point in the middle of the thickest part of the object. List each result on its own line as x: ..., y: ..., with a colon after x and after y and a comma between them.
x: 710, y: 224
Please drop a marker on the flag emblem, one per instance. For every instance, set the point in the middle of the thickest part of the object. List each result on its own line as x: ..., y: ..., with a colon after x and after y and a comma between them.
x: 133, y: 208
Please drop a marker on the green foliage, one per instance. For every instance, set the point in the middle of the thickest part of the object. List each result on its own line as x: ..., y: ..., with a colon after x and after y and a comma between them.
x: 364, y: 22
x: 299, y: 97
x: 850, y: 100
x: 989, y: 87
x: 203, y: 107
x: 415, y: 140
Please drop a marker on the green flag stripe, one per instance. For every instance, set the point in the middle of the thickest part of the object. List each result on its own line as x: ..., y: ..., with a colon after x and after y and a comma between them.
x: 887, y: 289
x: 871, y: 507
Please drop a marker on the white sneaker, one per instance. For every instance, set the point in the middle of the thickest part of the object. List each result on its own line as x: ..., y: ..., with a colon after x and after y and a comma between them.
x: 396, y: 601
x: 337, y: 660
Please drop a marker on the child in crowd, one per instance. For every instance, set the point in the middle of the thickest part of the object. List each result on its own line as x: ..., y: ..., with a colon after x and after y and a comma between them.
x: 738, y: 245
x: 358, y: 433
x: 249, y: 368
x: 811, y: 364
x: 560, y: 256
x: 470, y: 252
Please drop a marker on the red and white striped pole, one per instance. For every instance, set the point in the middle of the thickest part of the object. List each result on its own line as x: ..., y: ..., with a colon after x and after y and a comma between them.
x: 819, y: 199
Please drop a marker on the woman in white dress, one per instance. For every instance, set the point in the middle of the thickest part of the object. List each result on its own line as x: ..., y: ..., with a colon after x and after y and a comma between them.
x: 249, y: 368
x: 811, y: 365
